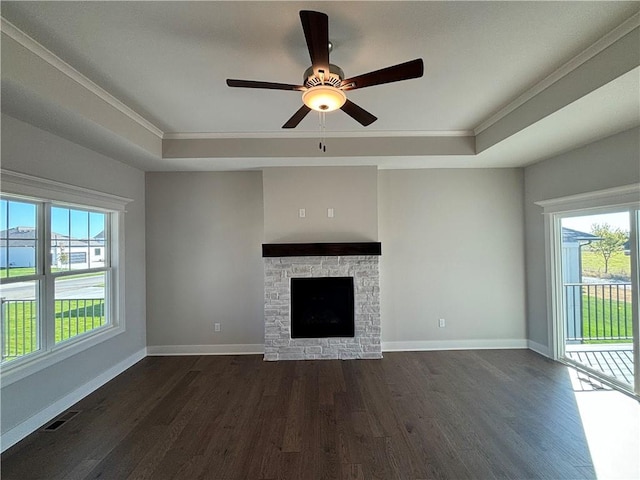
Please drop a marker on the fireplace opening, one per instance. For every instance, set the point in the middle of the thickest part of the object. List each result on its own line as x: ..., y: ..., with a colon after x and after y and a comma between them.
x: 322, y: 307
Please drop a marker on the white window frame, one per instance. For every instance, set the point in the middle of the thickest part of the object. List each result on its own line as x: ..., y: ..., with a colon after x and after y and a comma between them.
x: 32, y: 188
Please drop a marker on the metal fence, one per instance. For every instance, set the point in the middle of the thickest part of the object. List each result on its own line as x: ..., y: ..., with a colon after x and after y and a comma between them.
x: 598, y: 312
x: 19, y: 322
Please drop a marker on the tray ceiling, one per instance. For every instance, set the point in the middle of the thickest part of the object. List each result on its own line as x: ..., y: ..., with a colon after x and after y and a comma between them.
x: 168, y: 61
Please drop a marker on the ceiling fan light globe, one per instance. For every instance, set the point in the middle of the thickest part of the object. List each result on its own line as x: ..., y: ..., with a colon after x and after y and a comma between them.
x: 324, y: 98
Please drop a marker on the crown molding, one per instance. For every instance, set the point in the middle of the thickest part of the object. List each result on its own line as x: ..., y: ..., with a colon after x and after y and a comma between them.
x: 349, y: 134
x: 52, y: 59
x: 606, y: 41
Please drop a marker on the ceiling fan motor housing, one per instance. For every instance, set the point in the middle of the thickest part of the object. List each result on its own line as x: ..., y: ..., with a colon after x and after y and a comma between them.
x: 335, y: 77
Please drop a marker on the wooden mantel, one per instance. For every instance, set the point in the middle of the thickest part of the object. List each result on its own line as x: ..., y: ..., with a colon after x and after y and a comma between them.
x: 320, y: 249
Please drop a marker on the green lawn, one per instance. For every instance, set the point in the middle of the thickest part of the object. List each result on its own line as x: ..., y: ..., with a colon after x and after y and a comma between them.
x: 603, y: 318
x: 24, y: 271
x: 593, y: 264
x: 73, y: 317
x: 17, y: 272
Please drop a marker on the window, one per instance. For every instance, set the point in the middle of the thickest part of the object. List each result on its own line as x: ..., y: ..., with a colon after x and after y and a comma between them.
x: 78, y: 302
x: 59, y: 272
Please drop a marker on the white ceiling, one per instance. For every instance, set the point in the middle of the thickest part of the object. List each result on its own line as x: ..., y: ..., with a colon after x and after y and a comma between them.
x: 168, y: 62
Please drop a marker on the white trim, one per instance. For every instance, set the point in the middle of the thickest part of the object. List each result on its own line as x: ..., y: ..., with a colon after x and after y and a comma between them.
x: 609, y: 39
x: 251, y: 349
x: 41, y: 188
x: 634, y: 228
x: 538, y: 348
x: 227, y: 349
x: 555, y: 301
x: 625, y: 195
x: 328, y: 134
x: 425, y: 345
x: 56, y: 62
x: 30, y: 425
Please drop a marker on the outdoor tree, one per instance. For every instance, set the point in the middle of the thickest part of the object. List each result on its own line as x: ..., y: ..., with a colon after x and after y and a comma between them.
x: 611, y: 241
x: 64, y: 257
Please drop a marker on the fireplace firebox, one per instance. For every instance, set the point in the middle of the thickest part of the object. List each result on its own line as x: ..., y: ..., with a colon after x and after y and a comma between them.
x: 322, y: 307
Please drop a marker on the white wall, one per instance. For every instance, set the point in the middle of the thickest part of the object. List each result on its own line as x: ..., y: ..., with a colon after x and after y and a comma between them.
x: 29, y: 150
x: 611, y: 162
x: 452, y: 248
x: 204, y: 260
x: 350, y: 191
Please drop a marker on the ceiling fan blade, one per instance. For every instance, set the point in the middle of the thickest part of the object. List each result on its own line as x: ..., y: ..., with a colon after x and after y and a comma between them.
x: 316, y: 32
x: 359, y: 114
x: 396, y: 73
x: 297, y: 117
x: 268, y: 85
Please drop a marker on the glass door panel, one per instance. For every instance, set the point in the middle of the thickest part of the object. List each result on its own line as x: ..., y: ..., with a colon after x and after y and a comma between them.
x: 598, y: 294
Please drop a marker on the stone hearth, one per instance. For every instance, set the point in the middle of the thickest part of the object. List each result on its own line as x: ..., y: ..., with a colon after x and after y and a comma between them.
x: 278, y: 271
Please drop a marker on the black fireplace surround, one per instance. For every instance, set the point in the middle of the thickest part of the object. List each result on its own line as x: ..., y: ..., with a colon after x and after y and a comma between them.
x: 322, y: 307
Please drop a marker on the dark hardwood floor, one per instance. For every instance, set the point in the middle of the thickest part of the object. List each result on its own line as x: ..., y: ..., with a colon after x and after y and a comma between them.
x: 454, y: 415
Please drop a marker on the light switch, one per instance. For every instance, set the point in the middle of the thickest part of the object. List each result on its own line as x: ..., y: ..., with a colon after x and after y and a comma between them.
x: 330, y: 212
x: 302, y: 213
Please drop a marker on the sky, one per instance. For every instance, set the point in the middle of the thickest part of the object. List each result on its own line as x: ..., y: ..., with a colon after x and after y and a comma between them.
x: 583, y: 223
x: 65, y: 221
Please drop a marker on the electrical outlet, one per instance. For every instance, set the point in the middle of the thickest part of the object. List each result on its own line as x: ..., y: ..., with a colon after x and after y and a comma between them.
x: 441, y: 323
x: 302, y: 213
x: 330, y: 212
x: 216, y: 327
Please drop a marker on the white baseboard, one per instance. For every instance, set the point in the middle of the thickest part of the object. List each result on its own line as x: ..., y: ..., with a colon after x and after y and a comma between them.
x: 426, y: 345
x: 539, y: 348
x: 17, y: 433
x: 256, y: 349
x: 238, y: 349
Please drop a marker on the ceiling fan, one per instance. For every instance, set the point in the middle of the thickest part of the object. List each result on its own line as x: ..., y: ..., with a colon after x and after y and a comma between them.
x: 324, y: 83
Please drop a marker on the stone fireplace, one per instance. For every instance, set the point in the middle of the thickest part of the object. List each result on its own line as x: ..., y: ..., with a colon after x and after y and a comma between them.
x: 357, y: 261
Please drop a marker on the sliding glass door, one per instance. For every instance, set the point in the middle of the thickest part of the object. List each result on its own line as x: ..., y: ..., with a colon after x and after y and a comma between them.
x: 597, y: 287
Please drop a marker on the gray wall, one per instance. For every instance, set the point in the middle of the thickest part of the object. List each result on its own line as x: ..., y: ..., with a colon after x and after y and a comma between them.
x: 452, y: 248
x: 29, y: 150
x: 351, y: 191
x: 204, y: 258
x: 611, y: 162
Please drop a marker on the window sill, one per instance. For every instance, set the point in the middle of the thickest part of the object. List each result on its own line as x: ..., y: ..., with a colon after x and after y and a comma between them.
x: 13, y: 372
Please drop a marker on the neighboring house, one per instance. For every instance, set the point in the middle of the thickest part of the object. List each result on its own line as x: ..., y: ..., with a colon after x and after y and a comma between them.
x: 572, y: 243
x: 22, y: 247
x: 65, y: 251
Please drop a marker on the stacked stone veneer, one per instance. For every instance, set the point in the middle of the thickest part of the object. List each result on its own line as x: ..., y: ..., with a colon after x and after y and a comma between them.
x: 278, y: 344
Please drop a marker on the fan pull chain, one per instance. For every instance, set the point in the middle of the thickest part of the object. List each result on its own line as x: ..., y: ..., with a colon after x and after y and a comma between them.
x: 322, y: 145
